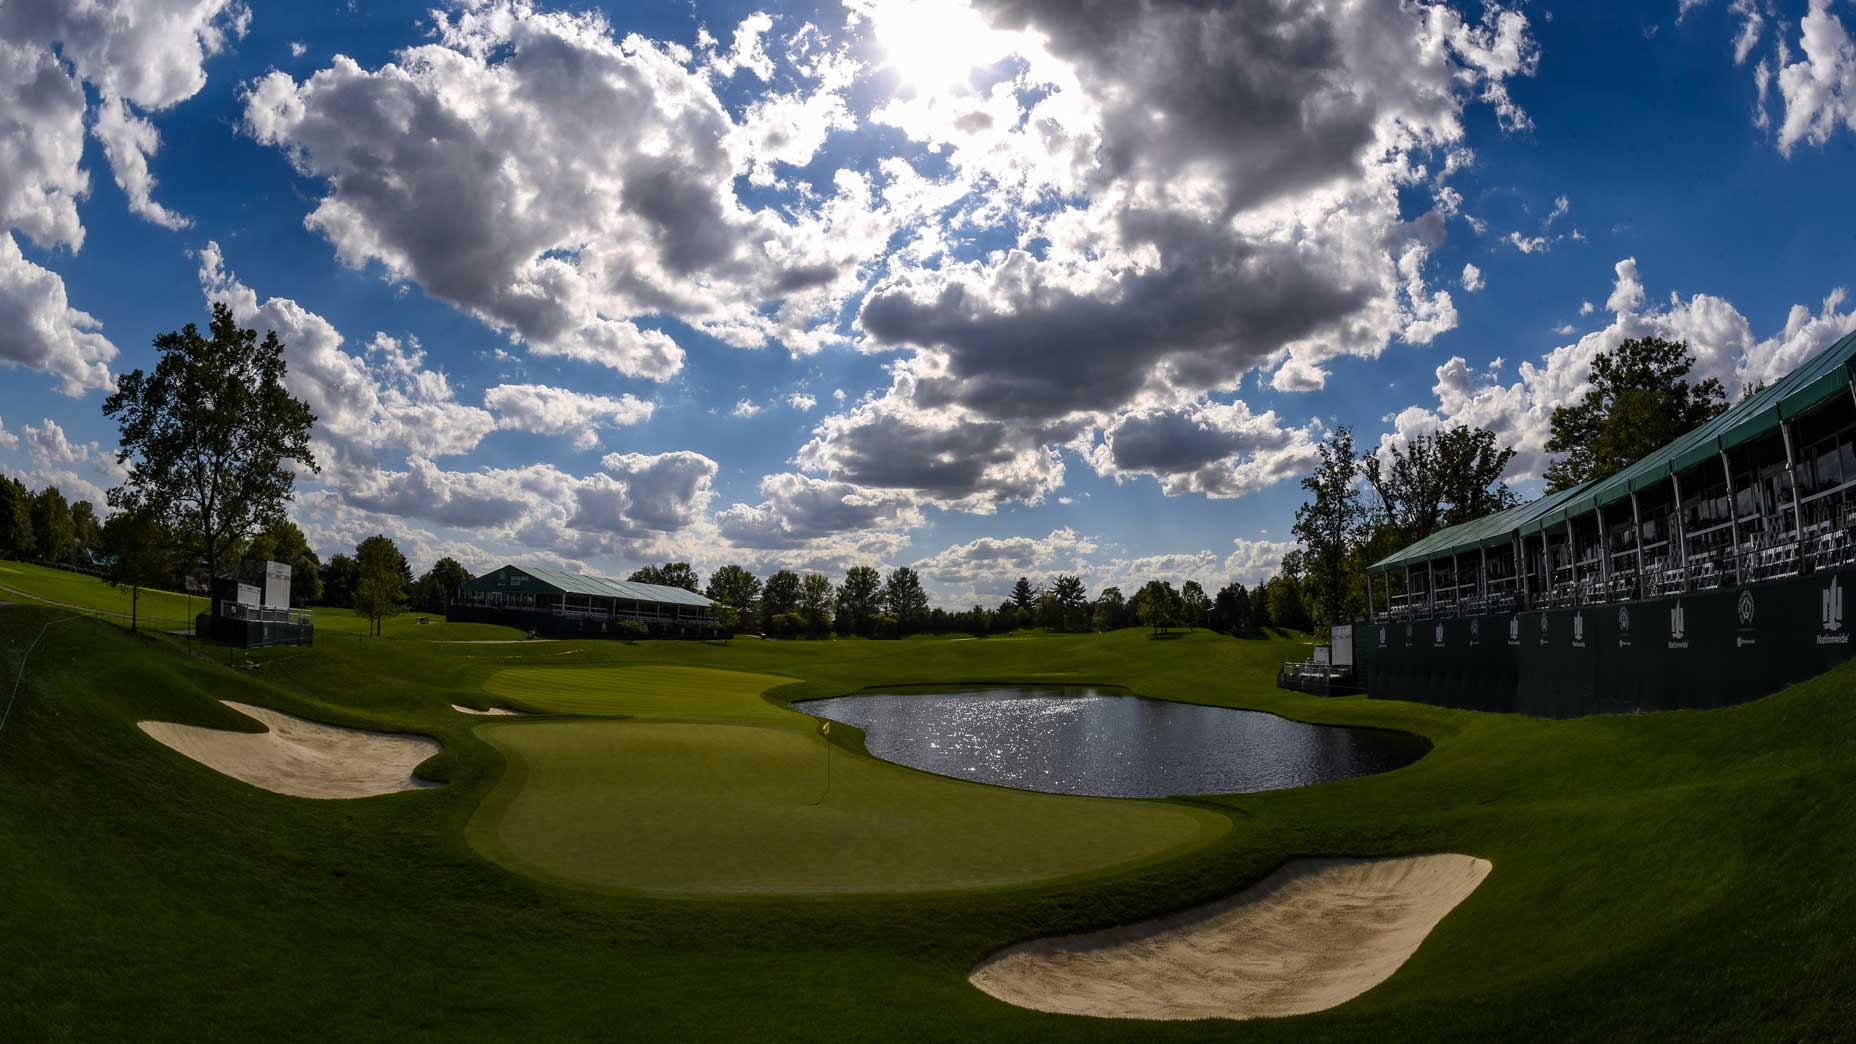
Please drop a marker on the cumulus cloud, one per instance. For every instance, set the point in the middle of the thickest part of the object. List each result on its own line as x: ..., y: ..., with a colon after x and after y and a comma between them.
x: 562, y: 184
x: 745, y: 408
x: 985, y: 569
x: 801, y: 511
x: 80, y: 470
x: 40, y: 330
x: 1819, y: 89
x: 381, y: 397
x: 1472, y: 280
x: 1220, y: 450
x: 1720, y: 338
x: 801, y: 401
x: 543, y: 410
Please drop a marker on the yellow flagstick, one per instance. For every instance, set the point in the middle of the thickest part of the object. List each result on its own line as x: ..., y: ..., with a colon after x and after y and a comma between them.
x: 824, y: 730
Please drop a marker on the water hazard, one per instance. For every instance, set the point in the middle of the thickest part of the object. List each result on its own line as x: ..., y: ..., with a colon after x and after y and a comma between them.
x: 1101, y: 742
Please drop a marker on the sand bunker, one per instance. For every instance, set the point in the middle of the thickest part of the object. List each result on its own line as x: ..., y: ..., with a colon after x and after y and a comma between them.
x: 1314, y: 934
x: 461, y: 709
x: 303, y: 758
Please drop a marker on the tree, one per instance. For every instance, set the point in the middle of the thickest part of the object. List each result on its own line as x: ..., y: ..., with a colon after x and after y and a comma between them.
x: 209, y: 437
x: 1641, y: 398
x: 859, y: 600
x: 1260, y: 617
x: 1072, y: 602
x: 904, y: 600
x: 1231, y: 610
x: 53, y: 534
x: 1286, y: 606
x: 736, y: 588
x: 815, y: 594
x: 1193, y: 605
x: 139, y: 554
x: 339, y: 579
x: 779, y: 597
x: 1329, y: 525
x: 1442, y: 479
x: 15, y: 519
x: 87, y: 531
x: 1110, y: 612
x: 670, y: 574
x: 1025, y: 599
x: 380, y: 585
x: 1157, y: 605
x: 433, y: 592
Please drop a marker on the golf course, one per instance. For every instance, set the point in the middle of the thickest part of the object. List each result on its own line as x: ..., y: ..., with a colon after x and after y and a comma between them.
x: 654, y: 845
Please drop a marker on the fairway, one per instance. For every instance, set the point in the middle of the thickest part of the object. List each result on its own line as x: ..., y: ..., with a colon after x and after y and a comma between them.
x: 716, y: 810
x: 24, y: 581
x: 680, y: 692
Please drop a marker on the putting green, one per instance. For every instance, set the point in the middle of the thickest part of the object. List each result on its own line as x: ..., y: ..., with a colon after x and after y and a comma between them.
x: 681, y: 808
x: 679, y: 692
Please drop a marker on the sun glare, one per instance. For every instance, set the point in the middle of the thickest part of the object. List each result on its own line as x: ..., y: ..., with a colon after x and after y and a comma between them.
x: 934, y: 46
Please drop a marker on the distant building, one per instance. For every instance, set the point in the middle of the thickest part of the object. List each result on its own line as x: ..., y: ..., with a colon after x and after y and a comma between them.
x: 577, y: 605
x: 251, y: 608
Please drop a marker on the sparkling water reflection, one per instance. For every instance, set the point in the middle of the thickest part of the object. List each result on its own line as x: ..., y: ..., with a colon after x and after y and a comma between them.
x: 1094, y: 741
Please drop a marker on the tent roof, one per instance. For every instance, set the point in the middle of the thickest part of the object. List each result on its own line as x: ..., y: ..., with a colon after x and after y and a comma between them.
x: 1830, y: 373
x: 606, y: 587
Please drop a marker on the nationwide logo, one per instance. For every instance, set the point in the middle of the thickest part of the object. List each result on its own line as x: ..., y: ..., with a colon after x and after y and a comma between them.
x: 1544, y: 629
x: 1678, y: 627
x: 1578, y: 630
x: 1514, y: 630
x: 1623, y: 626
x: 1745, y: 612
x: 1440, y: 634
x: 1833, y: 616
x: 1475, y: 631
x: 1382, y: 637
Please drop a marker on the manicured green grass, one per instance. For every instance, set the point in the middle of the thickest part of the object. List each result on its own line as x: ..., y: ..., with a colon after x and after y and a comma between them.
x: 1685, y: 876
x: 713, y: 810
x: 678, y: 692
x: 24, y: 581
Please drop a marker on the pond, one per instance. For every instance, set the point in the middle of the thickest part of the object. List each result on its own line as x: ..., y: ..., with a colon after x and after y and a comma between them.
x: 1101, y: 742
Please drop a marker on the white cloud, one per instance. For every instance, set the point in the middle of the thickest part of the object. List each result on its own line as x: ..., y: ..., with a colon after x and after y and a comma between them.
x: 545, y: 410
x: 80, y: 470
x: 40, y: 330
x: 985, y: 569
x: 360, y: 406
x: 1472, y: 280
x: 298, y: 48
x: 1220, y: 450
x: 745, y: 408
x: 801, y: 511
x: 1529, y: 244
x: 801, y: 401
x: 1819, y: 89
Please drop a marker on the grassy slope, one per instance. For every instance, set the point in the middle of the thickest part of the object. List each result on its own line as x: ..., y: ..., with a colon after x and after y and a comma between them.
x: 1677, y: 875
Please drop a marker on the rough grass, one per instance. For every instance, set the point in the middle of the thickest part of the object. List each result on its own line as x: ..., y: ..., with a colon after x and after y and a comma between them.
x: 1671, y: 876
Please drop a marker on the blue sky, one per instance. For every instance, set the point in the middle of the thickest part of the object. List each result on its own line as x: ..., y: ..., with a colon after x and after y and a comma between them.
x: 1091, y: 279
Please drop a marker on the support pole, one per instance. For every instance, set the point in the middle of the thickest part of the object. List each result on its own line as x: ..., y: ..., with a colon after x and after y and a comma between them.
x: 1546, y: 561
x: 1482, y: 586
x: 1678, y: 535
x: 1430, y: 589
x: 1733, y: 515
x: 1572, y: 555
x: 1370, y: 616
x: 1520, y: 570
x: 1636, y: 525
x: 1604, y: 549
x: 1791, y: 468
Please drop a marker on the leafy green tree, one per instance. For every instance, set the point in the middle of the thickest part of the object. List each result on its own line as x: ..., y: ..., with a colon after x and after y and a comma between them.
x: 670, y: 574
x: 433, y: 591
x: 15, y: 519
x: 139, y: 552
x: 1231, y: 610
x: 53, y: 533
x: 1110, y: 611
x: 380, y: 584
x: 859, y: 600
x: 727, y: 618
x: 1329, y: 526
x: 1072, y: 602
x: 1194, y: 607
x: 904, y: 600
x: 1641, y: 398
x: 1157, y: 605
x: 339, y: 580
x: 87, y: 531
x: 779, y: 597
x: 815, y: 597
x: 1025, y: 599
x: 1006, y: 618
x: 1442, y: 479
x: 736, y: 588
x: 210, y: 437
x: 1286, y: 606
x: 1260, y: 617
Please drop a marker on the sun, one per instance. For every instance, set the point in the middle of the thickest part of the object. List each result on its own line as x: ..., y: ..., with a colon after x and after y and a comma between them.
x: 934, y: 46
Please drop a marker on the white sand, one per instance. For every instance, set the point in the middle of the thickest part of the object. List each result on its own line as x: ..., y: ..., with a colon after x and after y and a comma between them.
x: 1316, y: 933
x: 303, y: 758
x: 461, y: 709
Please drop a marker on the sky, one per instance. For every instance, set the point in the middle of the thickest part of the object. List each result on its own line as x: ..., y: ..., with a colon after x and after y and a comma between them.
x: 989, y: 288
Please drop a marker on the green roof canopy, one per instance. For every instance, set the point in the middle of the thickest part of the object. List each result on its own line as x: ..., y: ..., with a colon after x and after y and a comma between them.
x: 1828, y: 374
x: 534, y: 580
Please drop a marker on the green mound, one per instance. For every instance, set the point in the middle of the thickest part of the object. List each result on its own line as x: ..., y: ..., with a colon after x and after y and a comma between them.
x: 715, y: 810
x: 680, y: 692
